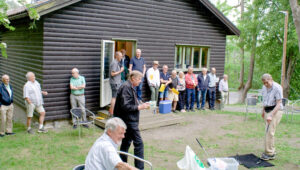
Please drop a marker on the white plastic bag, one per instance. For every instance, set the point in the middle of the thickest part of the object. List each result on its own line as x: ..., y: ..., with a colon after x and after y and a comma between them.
x: 190, y: 161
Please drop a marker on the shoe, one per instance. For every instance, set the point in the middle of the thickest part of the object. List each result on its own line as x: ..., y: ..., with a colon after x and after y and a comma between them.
x: 1, y: 135
x: 192, y: 110
x: 174, y: 111
x: 202, y: 108
x: 9, y: 133
x: 30, y: 131
x: 182, y: 110
x: 42, y: 130
x: 74, y: 126
x: 86, y: 126
x: 198, y: 108
x: 267, y: 157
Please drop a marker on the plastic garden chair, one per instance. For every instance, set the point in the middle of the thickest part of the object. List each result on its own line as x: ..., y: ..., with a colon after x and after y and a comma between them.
x: 135, y: 157
x: 79, y: 167
x: 250, y: 102
x: 77, y: 114
x: 285, y: 104
x: 295, y: 108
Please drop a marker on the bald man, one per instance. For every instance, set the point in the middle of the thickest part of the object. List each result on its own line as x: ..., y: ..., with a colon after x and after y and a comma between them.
x: 6, y: 107
x: 223, y: 88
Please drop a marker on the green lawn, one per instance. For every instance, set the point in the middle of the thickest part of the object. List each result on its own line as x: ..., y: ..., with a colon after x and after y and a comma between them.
x: 62, y: 149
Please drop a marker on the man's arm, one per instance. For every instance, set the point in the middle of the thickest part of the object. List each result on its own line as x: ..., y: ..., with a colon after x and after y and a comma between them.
x: 124, y: 166
x: 144, y: 71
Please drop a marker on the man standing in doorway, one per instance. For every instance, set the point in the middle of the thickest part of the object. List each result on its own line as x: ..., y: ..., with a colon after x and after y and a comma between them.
x: 212, y: 88
x: 115, y: 79
x: 128, y: 109
x: 137, y: 63
x: 32, y: 94
x: 223, y: 88
x: 124, y: 63
x: 6, y: 107
x: 77, y: 98
x: 271, y: 113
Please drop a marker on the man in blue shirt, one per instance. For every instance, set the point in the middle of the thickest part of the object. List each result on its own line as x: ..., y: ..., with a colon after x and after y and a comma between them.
x: 6, y: 107
x: 212, y: 88
x: 137, y: 63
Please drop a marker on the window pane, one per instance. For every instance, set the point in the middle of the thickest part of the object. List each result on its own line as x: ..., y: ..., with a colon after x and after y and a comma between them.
x: 196, y: 58
x: 108, y: 55
x: 179, y: 58
x: 204, y: 57
x: 187, y: 57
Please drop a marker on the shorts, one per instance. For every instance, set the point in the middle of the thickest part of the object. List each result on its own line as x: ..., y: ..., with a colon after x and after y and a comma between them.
x: 173, y: 96
x: 164, y: 94
x: 114, y: 90
x: 31, y: 107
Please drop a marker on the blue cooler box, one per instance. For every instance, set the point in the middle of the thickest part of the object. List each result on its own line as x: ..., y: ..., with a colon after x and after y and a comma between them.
x: 165, y: 106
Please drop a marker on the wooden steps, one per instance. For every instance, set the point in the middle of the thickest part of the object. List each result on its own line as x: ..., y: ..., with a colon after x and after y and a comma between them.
x: 148, y: 120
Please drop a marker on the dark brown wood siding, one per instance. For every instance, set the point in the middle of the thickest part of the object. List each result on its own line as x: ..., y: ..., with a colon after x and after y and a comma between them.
x: 72, y: 38
x: 25, y: 53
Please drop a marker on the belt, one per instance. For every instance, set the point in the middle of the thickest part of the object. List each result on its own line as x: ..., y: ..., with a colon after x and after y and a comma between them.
x: 78, y: 94
x: 269, y: 108
x: 225, y: 91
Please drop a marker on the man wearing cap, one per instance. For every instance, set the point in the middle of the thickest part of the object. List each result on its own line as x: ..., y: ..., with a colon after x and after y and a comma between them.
x: 153, y: 78
x: 271, y: 113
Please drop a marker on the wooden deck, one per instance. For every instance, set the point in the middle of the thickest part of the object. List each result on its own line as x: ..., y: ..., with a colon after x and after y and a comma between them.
x: 148, y: 120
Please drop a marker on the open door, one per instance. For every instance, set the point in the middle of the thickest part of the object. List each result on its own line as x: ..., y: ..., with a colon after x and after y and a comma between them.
x: 107, y: 55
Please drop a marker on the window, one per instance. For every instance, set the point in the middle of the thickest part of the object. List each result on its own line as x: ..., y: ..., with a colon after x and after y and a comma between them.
x: 190, y: 55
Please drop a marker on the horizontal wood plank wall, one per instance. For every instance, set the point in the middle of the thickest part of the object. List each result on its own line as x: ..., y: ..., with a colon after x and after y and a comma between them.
x: 72, y: 38
x: 24, y: 50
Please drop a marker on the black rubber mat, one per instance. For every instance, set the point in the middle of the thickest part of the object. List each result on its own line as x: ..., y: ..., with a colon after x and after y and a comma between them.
x: 251, y: 161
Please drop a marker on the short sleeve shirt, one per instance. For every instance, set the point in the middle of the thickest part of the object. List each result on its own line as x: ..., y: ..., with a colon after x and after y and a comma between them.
x: 77, y: 82
x: 32, y: 91
x: 174, y: 83
x: 213, y: 80
x: 114, y: 67
x: 138, y: 64
x: 103, y: 155
x: 271, y: 95
x: 165, y: 77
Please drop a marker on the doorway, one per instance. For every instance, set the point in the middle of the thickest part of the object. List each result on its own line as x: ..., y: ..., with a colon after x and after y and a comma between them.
x: 128, y: 45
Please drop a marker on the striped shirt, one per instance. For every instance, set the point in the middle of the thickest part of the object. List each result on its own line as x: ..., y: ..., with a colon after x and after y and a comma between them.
x: 271, y: 95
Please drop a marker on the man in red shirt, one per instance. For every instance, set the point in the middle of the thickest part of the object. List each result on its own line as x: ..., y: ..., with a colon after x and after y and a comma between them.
x: 191, y: 83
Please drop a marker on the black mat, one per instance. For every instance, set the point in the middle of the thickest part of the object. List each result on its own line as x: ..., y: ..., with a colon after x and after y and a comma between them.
x: 251, y: 161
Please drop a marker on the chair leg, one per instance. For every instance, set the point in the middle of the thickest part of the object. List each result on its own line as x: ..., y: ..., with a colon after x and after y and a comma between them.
x: 246, y: 114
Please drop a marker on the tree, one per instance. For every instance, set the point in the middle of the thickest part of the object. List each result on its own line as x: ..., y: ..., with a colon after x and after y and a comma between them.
x: 296, y: 16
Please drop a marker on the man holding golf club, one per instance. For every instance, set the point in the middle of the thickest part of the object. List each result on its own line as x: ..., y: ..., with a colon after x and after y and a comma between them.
x: 271, y: 113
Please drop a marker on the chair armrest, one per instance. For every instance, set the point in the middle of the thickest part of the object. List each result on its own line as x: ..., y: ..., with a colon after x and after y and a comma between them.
x: 135, y: 157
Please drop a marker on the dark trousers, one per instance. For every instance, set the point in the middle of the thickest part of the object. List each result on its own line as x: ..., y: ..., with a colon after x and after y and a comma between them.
x: 133, y: 134
x: 201, y: 97
x: 190, y: 99
x: 181, y: 99
x: 212, y: 97
x: 138, y: 89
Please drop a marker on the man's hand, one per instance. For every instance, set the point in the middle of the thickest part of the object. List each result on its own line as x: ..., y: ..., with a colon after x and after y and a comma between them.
x: 45, y: 93
x: 143, y: 106
x: 263, y: 115
x: 269, y: 119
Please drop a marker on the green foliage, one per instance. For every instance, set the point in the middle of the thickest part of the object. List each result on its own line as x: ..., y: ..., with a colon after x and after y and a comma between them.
x: 270, y: 29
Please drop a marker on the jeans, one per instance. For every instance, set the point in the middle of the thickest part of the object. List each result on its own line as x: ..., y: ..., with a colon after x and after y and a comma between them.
x: 182, y: 95
x: 133, y: 134
x: 154, y: 93
x: 139, y: 88
x: 212, y: 97
x: 190, y: 96
x: 201, y: 97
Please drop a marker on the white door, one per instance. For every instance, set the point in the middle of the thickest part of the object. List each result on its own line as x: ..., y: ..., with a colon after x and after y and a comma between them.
x: 107, y: 55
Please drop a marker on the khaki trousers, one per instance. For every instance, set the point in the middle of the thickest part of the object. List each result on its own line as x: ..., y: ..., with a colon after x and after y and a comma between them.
x: 7, y: 113
x: 224, y: 96
x: 269, y: 137
x: 78, y: 101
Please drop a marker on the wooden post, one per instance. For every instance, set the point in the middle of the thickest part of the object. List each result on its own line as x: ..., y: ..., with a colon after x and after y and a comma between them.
x: 283, y: 70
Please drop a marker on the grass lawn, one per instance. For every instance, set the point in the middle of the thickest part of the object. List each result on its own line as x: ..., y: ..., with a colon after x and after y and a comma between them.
x: 62, y: 149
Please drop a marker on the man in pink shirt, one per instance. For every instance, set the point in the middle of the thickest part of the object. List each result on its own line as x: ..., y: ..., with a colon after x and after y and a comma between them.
x: 191, y: 83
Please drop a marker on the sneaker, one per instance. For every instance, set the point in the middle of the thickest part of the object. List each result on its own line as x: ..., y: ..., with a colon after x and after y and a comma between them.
x: 74, y: 126
x: 174, y: 111
x: 192, y: 110
x: 198, y: 108
x: 1, y: 135
x: 86, y: 126
x: 30, y: 131
x: 42, y: 130
x: 267, y: 157
x: 182, y: 110
x: 202, y: 108
x: 9, y: 133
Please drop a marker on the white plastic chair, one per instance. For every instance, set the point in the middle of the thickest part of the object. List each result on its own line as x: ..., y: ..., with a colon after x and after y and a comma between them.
x: 135, y: 157
x: 295, y: 108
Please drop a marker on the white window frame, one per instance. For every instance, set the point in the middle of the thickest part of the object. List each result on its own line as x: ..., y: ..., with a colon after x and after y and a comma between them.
x: 182, y: 58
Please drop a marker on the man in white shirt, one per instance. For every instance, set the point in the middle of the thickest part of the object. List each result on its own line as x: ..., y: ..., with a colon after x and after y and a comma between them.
x: 153, y: 78
x: 103, y: 154
x: 223, y: 88
x: 32, y: 94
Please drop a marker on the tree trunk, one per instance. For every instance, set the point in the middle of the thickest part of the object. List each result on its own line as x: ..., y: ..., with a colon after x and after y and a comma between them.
x: 248, y: 84
x: 296, y: 17
x: 289, y: 73
x: 241, y: 41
